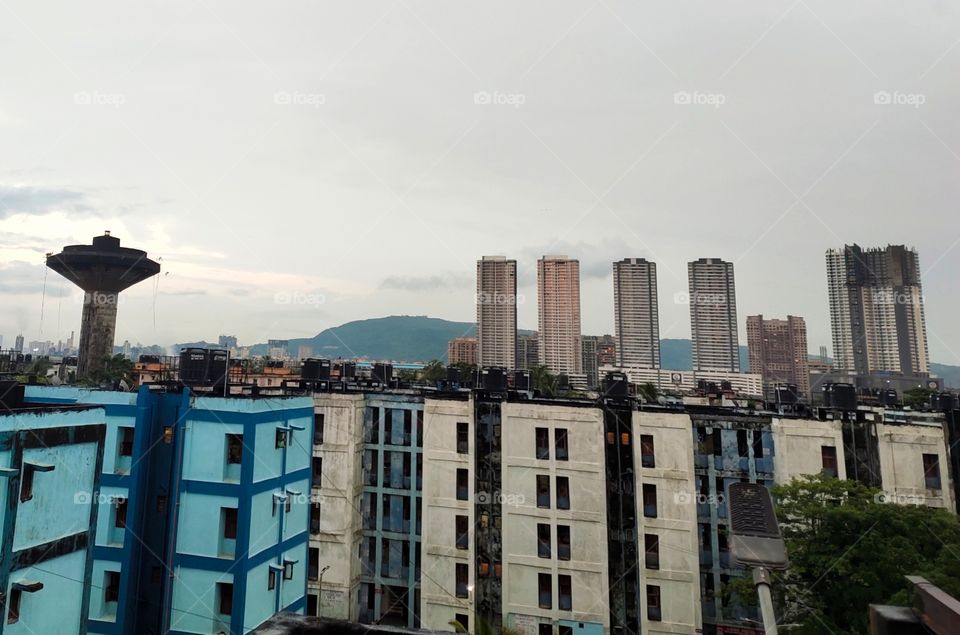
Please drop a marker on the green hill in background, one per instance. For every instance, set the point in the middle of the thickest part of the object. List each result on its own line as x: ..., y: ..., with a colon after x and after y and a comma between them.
x: 418, y: 338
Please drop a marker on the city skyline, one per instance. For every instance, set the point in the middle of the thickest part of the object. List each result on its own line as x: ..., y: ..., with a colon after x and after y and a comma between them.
x: 291, y: 215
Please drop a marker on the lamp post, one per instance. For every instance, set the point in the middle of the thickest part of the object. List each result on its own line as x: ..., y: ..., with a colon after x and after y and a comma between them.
x: 320, y: 591
x: 756, y: 542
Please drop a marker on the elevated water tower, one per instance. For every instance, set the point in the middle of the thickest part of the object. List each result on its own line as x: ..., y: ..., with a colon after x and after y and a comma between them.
x: 102, y: 269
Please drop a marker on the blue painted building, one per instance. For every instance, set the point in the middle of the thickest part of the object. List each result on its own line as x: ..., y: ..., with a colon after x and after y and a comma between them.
x: 203, y: 509
x: 50, y: 467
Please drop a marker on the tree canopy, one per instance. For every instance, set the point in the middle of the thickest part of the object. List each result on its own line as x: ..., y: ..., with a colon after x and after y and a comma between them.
x: 849, y: 547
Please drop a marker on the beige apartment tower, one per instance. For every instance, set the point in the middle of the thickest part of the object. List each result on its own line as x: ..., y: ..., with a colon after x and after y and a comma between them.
x: 636, y: 318
x: 713, y: 315
x: 778, y: 351
x: 497, y: 312
x: 558, y: 309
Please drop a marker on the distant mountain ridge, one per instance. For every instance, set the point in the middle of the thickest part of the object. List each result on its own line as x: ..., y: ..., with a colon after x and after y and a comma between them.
x: 418, y: 338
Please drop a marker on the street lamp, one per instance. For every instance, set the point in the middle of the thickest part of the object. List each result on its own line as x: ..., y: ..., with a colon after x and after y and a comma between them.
x: 320, y: 590
x: 756, y: 541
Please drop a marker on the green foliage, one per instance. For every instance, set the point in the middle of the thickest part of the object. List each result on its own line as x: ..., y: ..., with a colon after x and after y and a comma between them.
x: 648, y: 391
x: 433, y: 372
x: 116, y: 368
x: 849, y: 549
x: 917, y: 397
x: 543, y: 380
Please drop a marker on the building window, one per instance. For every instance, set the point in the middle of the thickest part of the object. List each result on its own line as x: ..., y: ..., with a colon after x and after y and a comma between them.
x: 111, y: 589
x: 318, y: 421
x: 462, y: 485
x: 564, y: 630
x: 560, y: 444
x: 653, y: 603
x: 717, y: 442
x: 229, y: 519
x: 463, y: 437
x: 271, y: 580
x: 462, y: 532
x: 563, y: 492
x: 120, y: 516
x: 723, y: 544
x: 26, y: 482
x: 311, y: 604
x: 565, y: 592
x: 543, y: 540
x: 13, y: 606
x: 647, y: 458
x: 463, y: 621
x: 161, y: 504
x: 315, y: 518
x: 563, y: 542
x: 757, y: 444
x: 288, y: 569
x: 317, y: 472
x: 931, y: 471
x: 828, y: 458
x: 280, y: 440
x: 545, y: 590
x: 651, y: 546
x: 126, y: 440
x: 234, y: 448
x: 543, y: 443
x: 543, y: 491
x: 649, y: 500
x: 544, y: 628
x: 313, y: 566
x: 224, y: 598
x: 461, y: 573
x: 743, y: 449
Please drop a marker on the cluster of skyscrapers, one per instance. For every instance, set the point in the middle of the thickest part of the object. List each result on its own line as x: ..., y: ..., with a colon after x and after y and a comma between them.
x: 876, y: 310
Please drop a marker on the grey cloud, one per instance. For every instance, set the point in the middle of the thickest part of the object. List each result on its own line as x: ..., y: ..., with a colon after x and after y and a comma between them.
x: 23, y: 278
x: 426, y: 283
x: 28, y: 199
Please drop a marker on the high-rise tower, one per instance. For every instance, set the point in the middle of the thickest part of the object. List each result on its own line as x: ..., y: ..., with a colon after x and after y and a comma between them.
x: 558, y: 309
x: 102, y: 269
x: 713, y: 315
x: 876, y: 310
x: 635, y: 313
x: 497, y: 312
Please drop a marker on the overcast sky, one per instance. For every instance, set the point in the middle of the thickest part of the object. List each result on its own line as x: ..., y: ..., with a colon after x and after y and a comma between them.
x: 357, y: 158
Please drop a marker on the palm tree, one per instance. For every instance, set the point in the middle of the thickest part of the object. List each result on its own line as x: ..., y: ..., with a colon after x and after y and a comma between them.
x: 544, y: 381
x: 116, y: 368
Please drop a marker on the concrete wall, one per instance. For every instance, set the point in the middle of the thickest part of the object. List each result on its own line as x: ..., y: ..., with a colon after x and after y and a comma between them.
x: 585, y: 469
x: 338, y: 495
x: 675, y: 525
x: 799, y: 444
x: 438, y: 604
x: 901, y: 450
